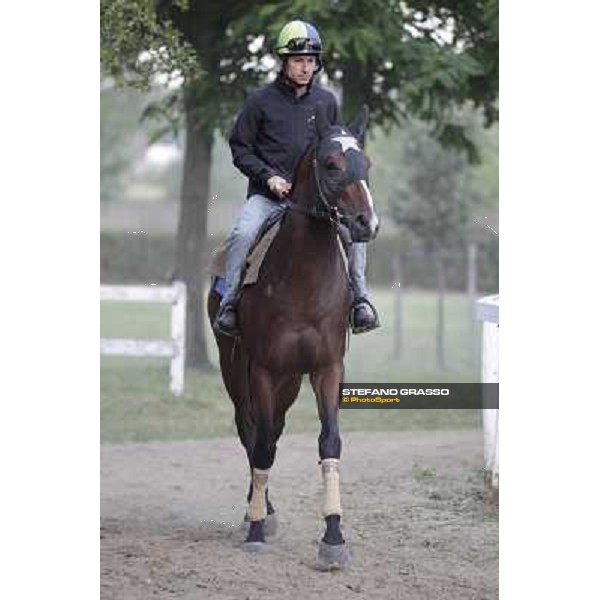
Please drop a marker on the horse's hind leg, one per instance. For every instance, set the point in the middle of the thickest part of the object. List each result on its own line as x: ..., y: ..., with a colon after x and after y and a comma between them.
x: 332, y: 550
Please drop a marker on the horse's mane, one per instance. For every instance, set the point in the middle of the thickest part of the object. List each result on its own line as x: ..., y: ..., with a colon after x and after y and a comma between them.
x: 311, y: 149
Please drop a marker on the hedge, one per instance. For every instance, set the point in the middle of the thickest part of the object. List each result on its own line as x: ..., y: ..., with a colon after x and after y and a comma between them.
x: 141, y: 258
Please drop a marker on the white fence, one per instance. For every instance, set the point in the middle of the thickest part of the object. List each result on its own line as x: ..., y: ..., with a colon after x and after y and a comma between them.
x: 488, y: 310
x: 173, y: 348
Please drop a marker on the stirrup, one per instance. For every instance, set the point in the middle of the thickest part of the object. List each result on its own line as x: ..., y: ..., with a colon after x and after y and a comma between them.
x: 374, y: 324
x: 220, y: 327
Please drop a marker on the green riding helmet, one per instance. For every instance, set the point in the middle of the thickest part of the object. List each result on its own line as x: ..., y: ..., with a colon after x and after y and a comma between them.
x: 299, y: 38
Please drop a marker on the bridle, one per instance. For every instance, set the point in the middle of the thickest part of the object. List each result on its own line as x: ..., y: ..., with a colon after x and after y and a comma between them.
x: 322, y: 209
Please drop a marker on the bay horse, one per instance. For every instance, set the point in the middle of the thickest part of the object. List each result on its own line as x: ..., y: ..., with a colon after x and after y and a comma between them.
x: 294, y: 321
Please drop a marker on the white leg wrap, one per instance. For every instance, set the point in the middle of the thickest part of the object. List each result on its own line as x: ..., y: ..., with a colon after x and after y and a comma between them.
x: 330, y: 469
x: 258, y: 505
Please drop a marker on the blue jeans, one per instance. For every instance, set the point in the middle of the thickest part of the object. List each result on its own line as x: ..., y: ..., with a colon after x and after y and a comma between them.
x: 255, y: 211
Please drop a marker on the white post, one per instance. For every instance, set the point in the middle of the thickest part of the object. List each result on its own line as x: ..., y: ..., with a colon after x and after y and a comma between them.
x: 178, y: 337
x: 487, y: 310
x: 173, y: 348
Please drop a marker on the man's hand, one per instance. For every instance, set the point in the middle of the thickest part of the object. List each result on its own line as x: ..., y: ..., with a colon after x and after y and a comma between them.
x: 279, y: 186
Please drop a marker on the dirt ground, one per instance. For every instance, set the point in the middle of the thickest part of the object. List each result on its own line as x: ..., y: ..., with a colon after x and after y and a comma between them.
x: 415, y: 518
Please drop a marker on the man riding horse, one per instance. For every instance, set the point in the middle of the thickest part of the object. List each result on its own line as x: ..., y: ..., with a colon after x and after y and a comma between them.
x: 271, y: 133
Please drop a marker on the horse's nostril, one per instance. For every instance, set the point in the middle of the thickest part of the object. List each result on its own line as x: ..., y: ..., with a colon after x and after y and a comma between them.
x: 363, y: 221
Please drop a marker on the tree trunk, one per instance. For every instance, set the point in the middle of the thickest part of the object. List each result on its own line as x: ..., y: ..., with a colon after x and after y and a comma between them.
x: 441, y: 285
x: 355, y: 88
x: 191, y: 257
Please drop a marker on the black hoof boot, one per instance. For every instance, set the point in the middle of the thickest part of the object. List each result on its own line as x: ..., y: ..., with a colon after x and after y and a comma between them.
x: 255, y: 540
x: 333, y: 551
x: 270, y: 524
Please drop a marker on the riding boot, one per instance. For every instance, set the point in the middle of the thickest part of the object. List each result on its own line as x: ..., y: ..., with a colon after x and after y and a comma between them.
x: 226, y: 321
x: 363, y: 316
x: 255, y: 211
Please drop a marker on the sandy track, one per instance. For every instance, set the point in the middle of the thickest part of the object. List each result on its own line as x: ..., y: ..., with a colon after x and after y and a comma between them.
x: 414, y: 516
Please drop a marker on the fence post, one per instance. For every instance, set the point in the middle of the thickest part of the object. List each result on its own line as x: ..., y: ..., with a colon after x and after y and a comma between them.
x: 173, y: 348
x: 487, y: 310
x: 398, y: 322
x: 178, y: 337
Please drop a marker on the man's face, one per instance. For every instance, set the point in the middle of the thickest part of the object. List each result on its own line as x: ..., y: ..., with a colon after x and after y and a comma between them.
x: 300, y: 69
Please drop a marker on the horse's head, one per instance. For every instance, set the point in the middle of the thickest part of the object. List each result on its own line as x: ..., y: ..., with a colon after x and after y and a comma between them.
x: 341, y: 171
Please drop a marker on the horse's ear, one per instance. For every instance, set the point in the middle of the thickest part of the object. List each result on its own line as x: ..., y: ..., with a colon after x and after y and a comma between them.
x: 358, y: 127
x: 321, y: 121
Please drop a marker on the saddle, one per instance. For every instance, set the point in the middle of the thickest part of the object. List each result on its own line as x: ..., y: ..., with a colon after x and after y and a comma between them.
x: 256, y: 255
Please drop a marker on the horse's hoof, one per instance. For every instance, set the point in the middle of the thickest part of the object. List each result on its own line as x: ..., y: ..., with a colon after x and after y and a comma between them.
x: 270, y: 524
x: 333, y: 557
x: 255, y: 546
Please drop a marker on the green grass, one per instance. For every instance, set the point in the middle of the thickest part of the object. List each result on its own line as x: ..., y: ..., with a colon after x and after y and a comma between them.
x: 136, y: 404
x: 423, y: 473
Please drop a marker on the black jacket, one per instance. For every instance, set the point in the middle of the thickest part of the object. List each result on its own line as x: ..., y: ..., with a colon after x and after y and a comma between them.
x: 273, y: 130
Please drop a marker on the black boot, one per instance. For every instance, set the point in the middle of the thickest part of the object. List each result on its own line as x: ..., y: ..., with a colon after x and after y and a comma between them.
x: 226, y: 321
x: 363, y: 316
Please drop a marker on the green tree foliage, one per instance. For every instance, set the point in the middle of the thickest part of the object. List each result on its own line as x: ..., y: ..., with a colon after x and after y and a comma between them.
x: 416, y: 58
x: 140, y: 50
x: 389, y: 174
x: 419, y: 58
x: 190, y: 41
x: 486, y: 174
x: 434, y: 197
x: 135, y: 45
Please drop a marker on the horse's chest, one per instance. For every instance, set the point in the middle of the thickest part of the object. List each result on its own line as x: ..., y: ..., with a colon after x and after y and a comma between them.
x: 302, y: 349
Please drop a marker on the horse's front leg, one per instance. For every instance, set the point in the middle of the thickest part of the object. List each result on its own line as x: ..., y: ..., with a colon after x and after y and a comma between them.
x: 271, y: 522
x: 247, y: 435
x: 262, y: 454
x: 332, y: 549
